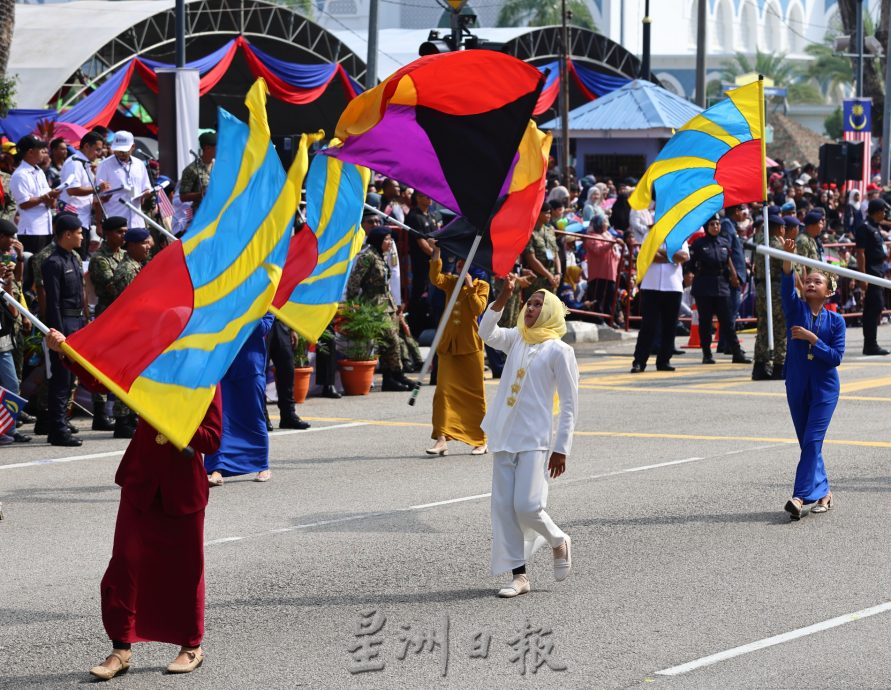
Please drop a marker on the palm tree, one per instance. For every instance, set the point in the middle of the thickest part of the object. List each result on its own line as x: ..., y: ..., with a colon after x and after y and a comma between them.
x: 544, y: 13
x: 7, y: 82
x: 772, y: 65
x: 828, y: 69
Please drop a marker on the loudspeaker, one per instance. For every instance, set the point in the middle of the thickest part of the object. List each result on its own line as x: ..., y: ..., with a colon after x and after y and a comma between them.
x: 854, y: 159
x: 833, y: 165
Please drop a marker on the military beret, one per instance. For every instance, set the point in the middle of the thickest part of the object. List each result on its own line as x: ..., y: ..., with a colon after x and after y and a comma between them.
x: 813, y: 217
x: 876, y: 205
x: 774, y: 219
x: 7, y: 228
x: 379, y: 231
x: 788, y: 206
x: 66, y: 222
x: 791, y: 221
x: 136, y: 235
x: 114, y: 222
x: 208, y: 139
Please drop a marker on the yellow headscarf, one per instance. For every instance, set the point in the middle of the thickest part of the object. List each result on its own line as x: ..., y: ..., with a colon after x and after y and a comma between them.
x: 572, y: 275
x: 550, y: 324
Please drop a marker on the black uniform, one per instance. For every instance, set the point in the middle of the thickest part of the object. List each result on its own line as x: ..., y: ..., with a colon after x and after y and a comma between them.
x: 711, y: 288
x: 869, y: 238
x: 63, y: 282
x: 418, y: 308
x: 281, y: 354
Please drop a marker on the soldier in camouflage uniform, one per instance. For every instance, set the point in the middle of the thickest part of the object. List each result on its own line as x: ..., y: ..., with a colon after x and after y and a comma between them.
x: 103, y: 263
x: 137, y: 247
x: 196, y: 175
x: 7, y: 166
x: 763, y: 367
x: 542, y: 256
x: 808, y: 242
x: 369, y: 282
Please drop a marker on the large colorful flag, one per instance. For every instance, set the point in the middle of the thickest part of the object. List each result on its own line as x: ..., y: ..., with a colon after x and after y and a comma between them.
x: 857, y: 127
x: 322, y: 252
x: 519, y: 204
x: 714, y: 161
x: 10, y: 407
x: 448, y: 125
x: 166, y: 342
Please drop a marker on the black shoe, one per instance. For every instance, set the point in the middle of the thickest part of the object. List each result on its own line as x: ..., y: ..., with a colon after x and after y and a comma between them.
x: 760, y: 372
x: 72, y: 429
x: 665, y: 367
x: 874, y: 350
x: 637, y: 368
x: 677, y: 352
x: 123, y: 428
x: 102, y: 422
x: 779, y: 373
x: 25, y: 418
x: 64, y: 439
x: 292, y: 423
x: 330, y: 392
x: 404, y: 380
x: 21, y: 438
x: 391, y: 384
x: 707, y: 358
x: 41, y: 427
x: 739, y: 357
x: 269, y: 426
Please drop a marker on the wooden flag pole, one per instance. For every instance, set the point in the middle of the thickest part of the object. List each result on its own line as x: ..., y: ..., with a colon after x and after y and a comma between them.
x: 440, y: 329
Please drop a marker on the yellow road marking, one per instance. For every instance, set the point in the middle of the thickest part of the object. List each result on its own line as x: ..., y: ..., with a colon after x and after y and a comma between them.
x: 864, y: 384
x: 696, y: 389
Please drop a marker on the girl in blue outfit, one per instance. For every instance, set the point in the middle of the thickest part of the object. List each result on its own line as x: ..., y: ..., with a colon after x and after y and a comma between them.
x: 816, y: 344
x: 244, y: 447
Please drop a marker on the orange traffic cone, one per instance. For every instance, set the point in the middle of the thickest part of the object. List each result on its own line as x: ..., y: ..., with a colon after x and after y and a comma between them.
x: 693, y: 343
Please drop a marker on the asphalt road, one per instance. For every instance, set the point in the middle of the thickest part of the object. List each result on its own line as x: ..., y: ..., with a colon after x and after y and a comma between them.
x: 687, y: 573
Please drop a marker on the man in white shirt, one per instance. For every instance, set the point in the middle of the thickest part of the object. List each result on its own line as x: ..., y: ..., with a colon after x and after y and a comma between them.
x: 126, y: 174
x: 77, y: 174
x: 33, y: 196
x: 660, y: 301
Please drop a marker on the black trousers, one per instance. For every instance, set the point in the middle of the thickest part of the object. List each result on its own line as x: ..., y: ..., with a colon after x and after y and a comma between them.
x: 281, y: 354
x: 326, y: 362
x: 709, y: 307
x: 872, y: 312
x: 658, y: 310
x: 60, y: 383
x: 34, y: 243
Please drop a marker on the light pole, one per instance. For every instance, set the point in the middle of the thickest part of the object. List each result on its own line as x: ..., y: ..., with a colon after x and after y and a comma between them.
x: 371, y: 62
x: 859, y: 39
x: 700, y: 53
x: 645, y: 58
x: 564, y: 89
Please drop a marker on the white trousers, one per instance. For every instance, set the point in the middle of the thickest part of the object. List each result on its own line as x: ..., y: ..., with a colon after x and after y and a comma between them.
x: 520, y: 525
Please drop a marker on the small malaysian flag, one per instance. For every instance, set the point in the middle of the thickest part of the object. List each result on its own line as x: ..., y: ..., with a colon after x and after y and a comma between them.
x: 68, y: 208
x: 857, y: 114
x: 10, y: 406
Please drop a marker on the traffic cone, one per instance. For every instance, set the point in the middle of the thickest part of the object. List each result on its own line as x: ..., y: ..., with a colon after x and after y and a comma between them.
x: 693, y: 343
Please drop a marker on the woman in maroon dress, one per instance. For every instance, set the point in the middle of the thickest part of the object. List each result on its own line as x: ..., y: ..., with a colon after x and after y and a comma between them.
x: 153, y: 588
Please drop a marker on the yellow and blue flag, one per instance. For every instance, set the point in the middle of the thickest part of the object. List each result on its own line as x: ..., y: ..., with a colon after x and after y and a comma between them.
x: 714, y: 161
x: 166, y: 342
x: 322, y: 253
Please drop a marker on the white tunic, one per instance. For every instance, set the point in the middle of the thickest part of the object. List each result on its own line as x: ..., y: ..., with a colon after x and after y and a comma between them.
x: 74, y: 174
x: 29, y: 181
x: 134, y: 179
x: 550, y: 367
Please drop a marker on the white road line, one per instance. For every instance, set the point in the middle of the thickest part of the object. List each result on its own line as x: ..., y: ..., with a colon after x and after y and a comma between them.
x: 464, y: 499
x: 775, y: 640
x: 113, y: 453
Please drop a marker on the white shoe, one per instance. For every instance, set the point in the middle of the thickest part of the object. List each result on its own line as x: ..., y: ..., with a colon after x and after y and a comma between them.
x: 563, y: 560
x: 519, y: 585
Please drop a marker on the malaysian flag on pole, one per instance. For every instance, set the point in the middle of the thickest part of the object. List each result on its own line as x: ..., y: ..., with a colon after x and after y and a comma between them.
x: 164, y: 205
x: 857, y: 114
x: 10, y: 406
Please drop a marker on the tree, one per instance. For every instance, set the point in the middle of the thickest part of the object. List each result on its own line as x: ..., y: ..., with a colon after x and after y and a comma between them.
x: 772, y: 65
x: 7, y: 82
x: 828, y: 69
x: 544, y: 13
x: 833, y: 124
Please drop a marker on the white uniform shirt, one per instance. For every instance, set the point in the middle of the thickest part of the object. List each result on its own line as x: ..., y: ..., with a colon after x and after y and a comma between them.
x: 134, y: 179
x: 29, y: 181
x: 74, y: 174
x: 550, y: 367
x: 667, y: 277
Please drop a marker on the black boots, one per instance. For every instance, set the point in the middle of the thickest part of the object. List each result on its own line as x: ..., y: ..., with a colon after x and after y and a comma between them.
x: 124, y: 427
x: 707, y: 356
x: 101, y: 421
x: 760, y: 372
x: 739, y: 356
x: 330, y: 392
x: 393, y: 382
x: 291, y: 420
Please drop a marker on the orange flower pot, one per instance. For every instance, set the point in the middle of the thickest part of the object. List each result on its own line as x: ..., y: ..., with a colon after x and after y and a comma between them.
x: 302, y: 375
x: 356, y: 376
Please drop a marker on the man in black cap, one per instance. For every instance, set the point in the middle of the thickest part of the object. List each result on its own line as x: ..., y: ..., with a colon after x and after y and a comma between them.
x: 808, y: 243
x: 63, y: 284
x: 196, y: 175
x: 32, y: 194
x: 871, y: 255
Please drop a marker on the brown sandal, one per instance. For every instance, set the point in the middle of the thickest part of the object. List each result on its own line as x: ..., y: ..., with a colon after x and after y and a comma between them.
x: 195, y: 656
x: 794, y: 507
x: 107, y: 673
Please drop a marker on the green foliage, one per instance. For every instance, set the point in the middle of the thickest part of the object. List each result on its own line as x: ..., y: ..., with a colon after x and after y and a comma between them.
x: 8, y: 86
x: 804, y: 92
x: 301, y: 352
x: 834, y: 125
x: 828, y: 69
x: 544, y: 13
x: 361, y: 325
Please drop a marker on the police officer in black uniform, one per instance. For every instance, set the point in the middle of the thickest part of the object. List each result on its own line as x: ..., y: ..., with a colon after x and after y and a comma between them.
x: 280, y: 342
x: 711, y: 262
x: 63, y: 282
x: 871, y: 255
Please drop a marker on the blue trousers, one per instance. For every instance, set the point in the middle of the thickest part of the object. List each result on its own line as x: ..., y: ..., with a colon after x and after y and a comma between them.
x: 811, y: 415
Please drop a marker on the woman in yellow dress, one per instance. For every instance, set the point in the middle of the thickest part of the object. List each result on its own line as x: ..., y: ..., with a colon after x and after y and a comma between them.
x: 459, y: 403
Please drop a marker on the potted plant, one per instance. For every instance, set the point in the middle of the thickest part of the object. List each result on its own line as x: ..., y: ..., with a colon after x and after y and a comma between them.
x: 359, y: 326
x: 302, y: 370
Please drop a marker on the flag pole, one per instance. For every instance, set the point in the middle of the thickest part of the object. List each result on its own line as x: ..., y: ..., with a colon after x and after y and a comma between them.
x: 160, y: 228
x: 440, y: 329
x: 765, y: 241
x: 393, y: 221
x: 13, y: 302
x: 781, y: 255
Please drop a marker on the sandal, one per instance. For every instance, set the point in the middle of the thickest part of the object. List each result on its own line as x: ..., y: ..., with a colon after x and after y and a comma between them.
x: 263, y: 476
x: 822, y: 507
x: 107, y: 673
x: 480, y: 450
x: 195, y: 659
x: 793, y: 507
x: 215, y: 479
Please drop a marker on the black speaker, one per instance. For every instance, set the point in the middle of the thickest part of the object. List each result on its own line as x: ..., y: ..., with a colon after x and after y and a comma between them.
x: 833, y: 164
x: 853, y: 159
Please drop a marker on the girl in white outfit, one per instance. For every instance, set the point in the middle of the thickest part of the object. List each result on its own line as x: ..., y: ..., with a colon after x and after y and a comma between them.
x: 521, y: 432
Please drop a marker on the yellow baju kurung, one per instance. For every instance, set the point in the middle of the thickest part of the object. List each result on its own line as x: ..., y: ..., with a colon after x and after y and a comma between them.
x: 459, y: 403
